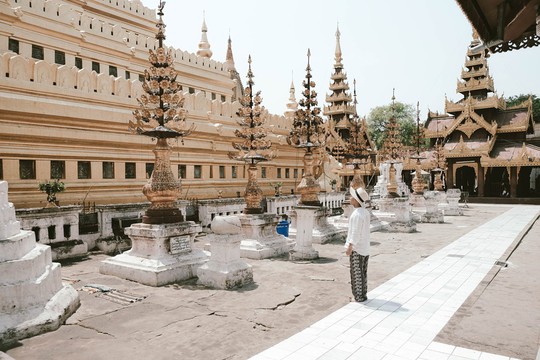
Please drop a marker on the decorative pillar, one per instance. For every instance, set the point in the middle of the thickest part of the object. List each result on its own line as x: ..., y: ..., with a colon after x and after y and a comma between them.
x: 303, y: 250
x: 513, y: 182
x: 450, y: 183
x: 225, y: 269
x: 481, y: 180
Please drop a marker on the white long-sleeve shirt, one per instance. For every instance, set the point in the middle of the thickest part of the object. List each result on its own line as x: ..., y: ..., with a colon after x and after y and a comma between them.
x: 358, y: 234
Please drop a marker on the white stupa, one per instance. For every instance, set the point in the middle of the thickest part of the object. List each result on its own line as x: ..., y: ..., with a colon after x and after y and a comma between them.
x: 33, y: 299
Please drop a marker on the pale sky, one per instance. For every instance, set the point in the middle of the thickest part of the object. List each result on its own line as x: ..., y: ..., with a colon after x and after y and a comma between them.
x: 417, y: 47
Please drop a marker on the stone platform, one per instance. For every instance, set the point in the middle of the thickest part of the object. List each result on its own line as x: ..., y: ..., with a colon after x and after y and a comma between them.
x: 160, y: 254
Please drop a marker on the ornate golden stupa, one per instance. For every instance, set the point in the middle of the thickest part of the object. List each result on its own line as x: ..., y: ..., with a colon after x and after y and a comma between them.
x: 255, y: 147
x: 161, y: 116
x: 392, y: 147
x: 308, y: 132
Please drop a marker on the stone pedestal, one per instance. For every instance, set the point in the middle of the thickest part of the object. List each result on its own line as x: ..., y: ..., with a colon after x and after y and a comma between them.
x: 417, y: 200
x: 160, y: 254
x: 452, y: 197
x: 432, y: 214
x: 33, y: 299
x: 342, y: 221
x: 323, y: 231
x: 261, y: 241
x: 305, y: 221
x: 403, y: 221
x: 225, y: 269
x: 396, y: 215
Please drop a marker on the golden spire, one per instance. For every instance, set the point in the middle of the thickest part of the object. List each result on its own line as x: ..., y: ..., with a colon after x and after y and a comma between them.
x: 229, y: 58
x: 338, y: 54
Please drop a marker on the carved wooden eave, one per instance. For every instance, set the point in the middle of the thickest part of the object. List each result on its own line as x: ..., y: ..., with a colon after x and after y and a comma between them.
x: 440, y: 129
x: 344, y: 123
x: 464, y: 122
x: 526, y: 125
x: 503, y: 25
x: 491, y: 102
x: 338, y: 76
x: 467, y: 74
x: 526, y: 155
x: 339, y: 86
x: 462, y: 149
x: 337, y: 98
x: 338, y: 110
x: 472, y: 85
x: 530, y: 120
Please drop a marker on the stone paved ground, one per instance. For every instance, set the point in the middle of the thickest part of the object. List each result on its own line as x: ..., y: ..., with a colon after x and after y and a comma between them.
x: 506, y: 303
x: 186, y: 321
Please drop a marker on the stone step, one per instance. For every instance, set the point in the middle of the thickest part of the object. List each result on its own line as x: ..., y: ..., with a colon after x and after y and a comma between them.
x: 17, y: 246
x: 30, y: 266
x: 17, y: 297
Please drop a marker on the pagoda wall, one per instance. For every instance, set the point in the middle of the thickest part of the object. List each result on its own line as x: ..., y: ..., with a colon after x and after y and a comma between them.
x: 52, y: 112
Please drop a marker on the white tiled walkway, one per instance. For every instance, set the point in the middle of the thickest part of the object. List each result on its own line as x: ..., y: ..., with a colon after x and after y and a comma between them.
x: 405, y: 314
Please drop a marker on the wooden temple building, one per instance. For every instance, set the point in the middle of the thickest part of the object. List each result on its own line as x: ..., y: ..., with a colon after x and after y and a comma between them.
x: 483, y: 142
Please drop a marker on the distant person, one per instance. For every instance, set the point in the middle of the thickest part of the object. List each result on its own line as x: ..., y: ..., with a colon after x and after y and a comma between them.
x: 357, y: 243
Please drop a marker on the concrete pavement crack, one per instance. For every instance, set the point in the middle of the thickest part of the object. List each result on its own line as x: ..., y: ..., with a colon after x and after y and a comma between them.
x: 281, y: 305
x: 96, y: 330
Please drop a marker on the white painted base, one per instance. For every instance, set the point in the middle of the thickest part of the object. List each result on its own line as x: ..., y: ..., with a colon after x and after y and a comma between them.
x: 40, y: 319
x: 436, y: 217
x: 225, y: 269
x: 417, y: 200
x: 225, y: 276
x: 154, y: 272
x: 304, y: 218
x: 400, y: 227
x: 151, y: 261
x: 453, y: 207
x: 33, y: 299
x: 342, y: 221
x: 322, y: 231
x: 261, y: 239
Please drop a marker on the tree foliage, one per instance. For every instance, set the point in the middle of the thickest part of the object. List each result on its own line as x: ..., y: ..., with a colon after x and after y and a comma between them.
x: 404, y: 113
x: 518, y: 99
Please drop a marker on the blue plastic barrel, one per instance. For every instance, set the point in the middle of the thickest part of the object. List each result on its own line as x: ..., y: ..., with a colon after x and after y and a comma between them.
x: 282, y: 228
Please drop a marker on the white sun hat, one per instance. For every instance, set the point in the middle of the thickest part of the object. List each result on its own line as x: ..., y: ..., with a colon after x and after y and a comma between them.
x: 359, y: 194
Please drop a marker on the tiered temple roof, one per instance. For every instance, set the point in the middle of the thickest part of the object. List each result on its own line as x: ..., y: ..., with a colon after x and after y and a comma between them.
x: 480, y: 124
x: 339, y: 109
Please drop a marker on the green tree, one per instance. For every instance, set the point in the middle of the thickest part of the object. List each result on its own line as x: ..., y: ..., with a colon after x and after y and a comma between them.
x: 518, y: 99
x: 404, y: 113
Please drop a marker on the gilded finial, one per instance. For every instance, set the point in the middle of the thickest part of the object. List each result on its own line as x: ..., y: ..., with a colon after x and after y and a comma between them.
x: 354, y: 92
x: 250, y: 73
x: 160, y: 36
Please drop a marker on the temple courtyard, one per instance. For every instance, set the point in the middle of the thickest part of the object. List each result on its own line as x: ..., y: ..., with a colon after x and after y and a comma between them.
x: 464, y: 289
